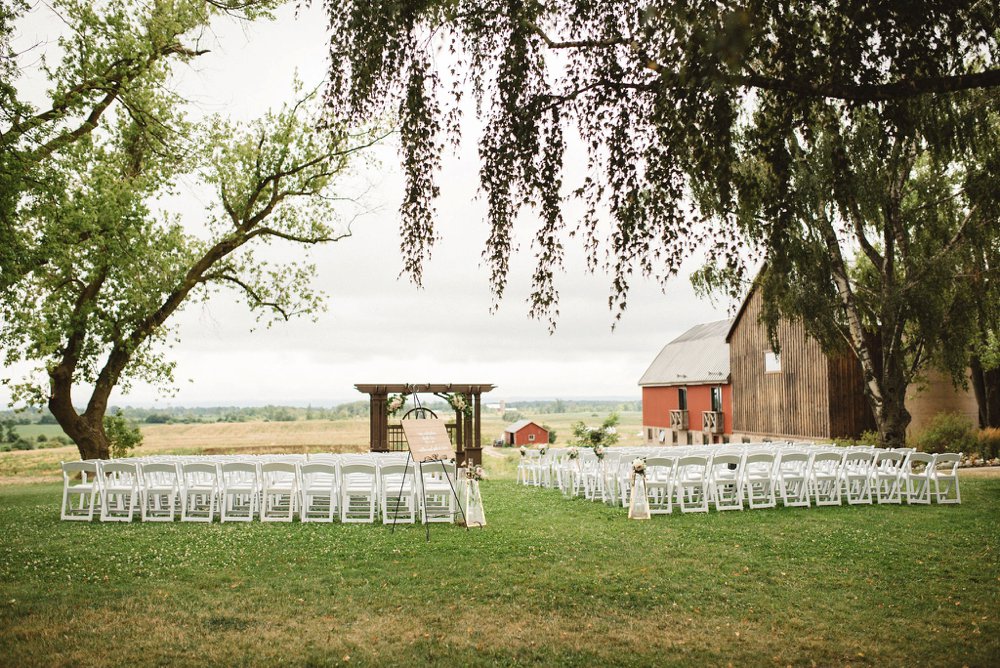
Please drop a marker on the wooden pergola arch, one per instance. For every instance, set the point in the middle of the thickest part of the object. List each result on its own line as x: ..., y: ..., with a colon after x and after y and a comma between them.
x: 466, y: 432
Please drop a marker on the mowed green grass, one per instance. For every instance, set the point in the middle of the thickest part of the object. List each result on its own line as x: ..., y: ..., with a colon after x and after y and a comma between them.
x: 550, y: 581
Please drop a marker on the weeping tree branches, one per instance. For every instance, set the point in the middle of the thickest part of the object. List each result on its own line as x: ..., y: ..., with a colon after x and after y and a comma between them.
x: 806, y: 134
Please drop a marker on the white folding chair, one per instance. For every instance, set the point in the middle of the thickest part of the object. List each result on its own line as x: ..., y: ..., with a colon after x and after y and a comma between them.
x: 86, y: 491
x: 856, y: 476
x: 358, y: 491
x: 240, y: 491
x: 398, y: 493
x: 758, y: 479
x: 791, y: 473
x: 119, y: 490
x: 916, y: 478
x: 437, y: 491
x: 279, y: 491
x: 660, y: 473
x: 200, y: 488
x: 692, y: 484
x: 159, y: 492
x: 526, y: 468
x: 944, y: 473
x: 725, y: 481
x: 885, y: 476
x: 318, y: 491
x: 824, y: 477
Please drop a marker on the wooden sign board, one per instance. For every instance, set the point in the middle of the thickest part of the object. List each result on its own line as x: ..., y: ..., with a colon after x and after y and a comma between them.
x: 428, y: 440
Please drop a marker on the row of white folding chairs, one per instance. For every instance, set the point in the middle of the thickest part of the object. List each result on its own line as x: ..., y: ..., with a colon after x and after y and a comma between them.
x: 354, y: 488
x: 759, y: 475
x: 797, y: 478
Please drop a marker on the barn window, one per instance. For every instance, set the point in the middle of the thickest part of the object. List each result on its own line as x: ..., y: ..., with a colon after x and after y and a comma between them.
x: 772, y: 362
x: 717, y: 399
x: 682, y: 398
x: 531, y: 437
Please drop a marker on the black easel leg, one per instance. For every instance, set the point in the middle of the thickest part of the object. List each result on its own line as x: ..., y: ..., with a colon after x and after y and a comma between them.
x: 423, y: 505
x: 402, y: 482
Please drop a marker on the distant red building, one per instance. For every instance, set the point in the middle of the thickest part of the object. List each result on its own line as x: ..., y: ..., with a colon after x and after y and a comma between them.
x: 525, y: 432
x: 687, y: 396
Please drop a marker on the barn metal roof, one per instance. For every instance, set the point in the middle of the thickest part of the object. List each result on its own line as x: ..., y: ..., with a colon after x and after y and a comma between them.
x: 699, y: 355
x: 519, y: 425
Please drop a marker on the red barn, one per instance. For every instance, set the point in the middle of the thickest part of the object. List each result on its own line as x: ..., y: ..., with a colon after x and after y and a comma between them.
x: 687, y: 395
x: 525, y: 432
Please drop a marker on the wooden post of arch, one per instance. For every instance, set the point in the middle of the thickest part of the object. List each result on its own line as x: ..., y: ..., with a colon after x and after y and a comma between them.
x: 378, y: 422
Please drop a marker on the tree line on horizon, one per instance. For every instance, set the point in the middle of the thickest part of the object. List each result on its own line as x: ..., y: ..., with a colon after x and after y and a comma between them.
x: 515, y: 410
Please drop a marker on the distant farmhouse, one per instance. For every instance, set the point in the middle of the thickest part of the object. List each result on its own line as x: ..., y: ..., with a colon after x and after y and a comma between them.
x: 525, y: 432
x: 720, y: 382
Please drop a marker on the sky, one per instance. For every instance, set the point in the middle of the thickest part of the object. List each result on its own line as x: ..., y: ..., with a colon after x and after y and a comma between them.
x: 378, y: 326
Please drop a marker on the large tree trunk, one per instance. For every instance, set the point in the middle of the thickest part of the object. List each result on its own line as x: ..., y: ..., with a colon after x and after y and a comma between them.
x: 86, y: 430
x: 986, y: 385
x: 891, y: 417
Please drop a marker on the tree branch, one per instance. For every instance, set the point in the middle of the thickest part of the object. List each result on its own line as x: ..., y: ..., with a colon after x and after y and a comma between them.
x: 270, y: 232
x: 253, y: 294
x: 577, y: 44
x: 850, y: 92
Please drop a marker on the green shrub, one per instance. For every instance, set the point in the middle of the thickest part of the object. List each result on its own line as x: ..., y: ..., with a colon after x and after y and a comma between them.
x: 989, y: 443
x: 866, y: 438
x: 948, y: 432
x: 5, y: 447
x: 41, y: 438
x: 122, y: 433
x: 23, y: 444
x: 61, y: 440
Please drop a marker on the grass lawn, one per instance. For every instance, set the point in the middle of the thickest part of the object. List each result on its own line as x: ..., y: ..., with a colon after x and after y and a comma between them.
x: 549, y: 581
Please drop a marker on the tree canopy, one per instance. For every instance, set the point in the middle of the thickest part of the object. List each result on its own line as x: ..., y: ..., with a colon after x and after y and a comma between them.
x: 96, y: 265
x: 844, y: 141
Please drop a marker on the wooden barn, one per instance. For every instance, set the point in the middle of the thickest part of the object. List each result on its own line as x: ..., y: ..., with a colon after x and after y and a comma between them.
x: 800, y: 393
x: 687, y: 396
x: 525, y: 432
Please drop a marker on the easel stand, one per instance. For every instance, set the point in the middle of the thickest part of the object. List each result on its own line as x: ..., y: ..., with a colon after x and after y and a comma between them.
x: 451, y: 486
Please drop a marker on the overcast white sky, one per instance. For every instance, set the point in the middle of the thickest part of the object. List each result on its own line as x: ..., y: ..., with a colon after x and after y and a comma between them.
x: 379, y: 328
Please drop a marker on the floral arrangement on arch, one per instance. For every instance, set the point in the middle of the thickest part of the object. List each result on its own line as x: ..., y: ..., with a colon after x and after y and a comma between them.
x: 459, y: 403
x: 573, y: 453
x: 395, y: 402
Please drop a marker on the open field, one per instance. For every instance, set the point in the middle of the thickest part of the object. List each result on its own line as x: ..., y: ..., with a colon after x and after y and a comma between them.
x: 299, y: 436
x: 549, y: 581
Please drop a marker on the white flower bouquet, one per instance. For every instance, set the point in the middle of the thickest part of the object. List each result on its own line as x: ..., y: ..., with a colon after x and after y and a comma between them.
x: 524, y: 450
x: 639, y: 466
x: 573, y: 453
x: 599, y: 451
x: 476, y: 473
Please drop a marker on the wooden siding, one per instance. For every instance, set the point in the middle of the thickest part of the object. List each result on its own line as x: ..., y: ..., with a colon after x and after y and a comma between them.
x: 794, y: 402
x: 850, y: 413
x: 813, y: 396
